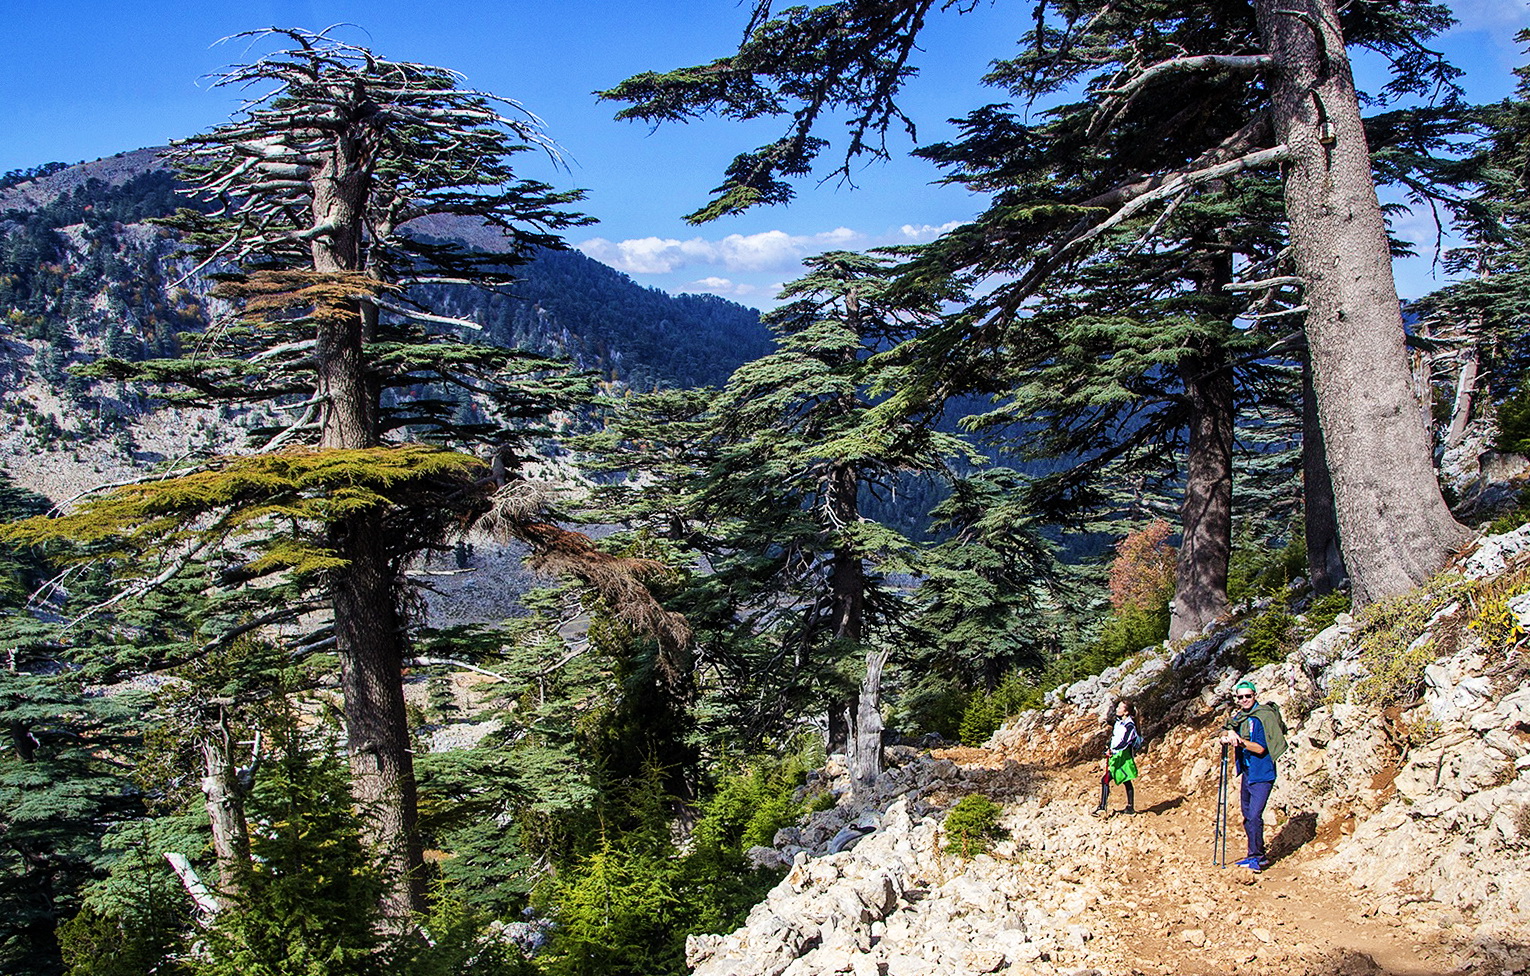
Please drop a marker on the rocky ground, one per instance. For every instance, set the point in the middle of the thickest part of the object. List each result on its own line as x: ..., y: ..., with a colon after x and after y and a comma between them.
x: 1401, y: 834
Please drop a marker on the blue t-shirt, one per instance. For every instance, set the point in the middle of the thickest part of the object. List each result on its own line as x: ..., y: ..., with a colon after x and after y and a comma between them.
x: 1257, y: 769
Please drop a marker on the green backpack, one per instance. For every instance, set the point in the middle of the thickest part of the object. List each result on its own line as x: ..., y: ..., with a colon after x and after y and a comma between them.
x: 1268, y: 714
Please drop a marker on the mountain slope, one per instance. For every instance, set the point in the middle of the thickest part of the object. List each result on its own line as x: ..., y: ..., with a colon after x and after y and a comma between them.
x: 1399, y: 830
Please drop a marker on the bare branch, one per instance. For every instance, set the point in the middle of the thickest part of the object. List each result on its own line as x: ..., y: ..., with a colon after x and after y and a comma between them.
x: 1267, y: 283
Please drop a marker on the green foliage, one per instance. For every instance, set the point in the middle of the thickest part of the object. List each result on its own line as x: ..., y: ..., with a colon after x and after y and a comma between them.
x: 627, y: 906
x: 616, y: 915
x: 252, y: 493
x: 972, y: 825
x: 1394, y: 648
x: 135, y: 918
x: 987, y: 710
x: 309, y: 903
x: 1494, y: 623
x: 461, y: 940
x: 1518, y: 514
x: 61, y: 788
x: 1269, y: 637
x: 94, y: 943
x: 1259, y: 568
x: 1121, y: 635
x: 1324, y: 611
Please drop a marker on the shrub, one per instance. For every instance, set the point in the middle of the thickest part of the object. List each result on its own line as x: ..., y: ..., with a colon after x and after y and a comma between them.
x: 1124, y: 632
x: 1497, y: 625
x: 1142, y: 574
x: 1514, y: 423
x: 309, y: 905
x: 1259, y: 569
x: 461, y: 940
x: 1324, y: 611
x: 616, y: 915
x: 1394, y: 649
x: 972, y: 825
x: 987, y: 710
x: 1269, y: 637
x: 1512, y: 519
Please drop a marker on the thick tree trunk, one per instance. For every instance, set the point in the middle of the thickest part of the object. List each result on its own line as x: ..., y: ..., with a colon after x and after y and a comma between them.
x: 1325, y: 561
x: 370, y: 640
x: 369, y: 631
x: 1393, y: 522
x: 866, y: 752
x: 1200, y: 571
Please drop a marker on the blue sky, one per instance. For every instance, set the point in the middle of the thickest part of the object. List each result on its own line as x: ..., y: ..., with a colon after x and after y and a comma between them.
x: 80, y: 79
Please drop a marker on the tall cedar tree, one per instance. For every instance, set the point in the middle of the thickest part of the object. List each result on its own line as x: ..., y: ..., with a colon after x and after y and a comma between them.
x: 1214, y: 89
x: 321, y: 194
x: 1128, y: 369
x: 800, y: 428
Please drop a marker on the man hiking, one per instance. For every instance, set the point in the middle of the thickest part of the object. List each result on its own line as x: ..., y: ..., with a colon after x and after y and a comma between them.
x: 1258, y: 733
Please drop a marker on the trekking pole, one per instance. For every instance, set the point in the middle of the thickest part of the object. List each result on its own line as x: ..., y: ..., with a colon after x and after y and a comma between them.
x: 1219, y: 829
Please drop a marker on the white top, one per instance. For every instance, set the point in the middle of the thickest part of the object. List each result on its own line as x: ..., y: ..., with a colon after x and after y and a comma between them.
x: 1124, y: 734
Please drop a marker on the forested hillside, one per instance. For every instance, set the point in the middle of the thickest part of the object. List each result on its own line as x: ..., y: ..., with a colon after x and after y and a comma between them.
x: 388, y: 588
x: 70, y: 247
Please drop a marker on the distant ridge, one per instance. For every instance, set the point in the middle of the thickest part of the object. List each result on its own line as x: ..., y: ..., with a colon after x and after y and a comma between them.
x: 567, y: 303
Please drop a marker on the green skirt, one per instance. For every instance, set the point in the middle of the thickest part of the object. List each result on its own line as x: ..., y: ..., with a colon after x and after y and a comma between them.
x: 1122, y: 766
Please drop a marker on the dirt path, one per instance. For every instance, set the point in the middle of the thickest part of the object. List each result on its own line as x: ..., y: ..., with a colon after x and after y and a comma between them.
x: 1157, y: 905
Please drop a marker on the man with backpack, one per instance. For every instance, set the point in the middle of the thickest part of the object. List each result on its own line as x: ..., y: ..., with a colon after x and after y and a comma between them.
x: 1258, y: 733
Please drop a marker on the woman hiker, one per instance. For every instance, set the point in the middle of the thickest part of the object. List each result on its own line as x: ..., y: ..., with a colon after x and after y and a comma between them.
x: 1120, y: 764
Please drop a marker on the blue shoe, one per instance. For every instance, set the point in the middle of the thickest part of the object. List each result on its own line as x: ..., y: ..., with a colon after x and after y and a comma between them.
x: 1249, y: 862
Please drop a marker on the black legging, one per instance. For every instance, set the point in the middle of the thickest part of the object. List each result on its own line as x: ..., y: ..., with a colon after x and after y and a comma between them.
x: 1105, y: 781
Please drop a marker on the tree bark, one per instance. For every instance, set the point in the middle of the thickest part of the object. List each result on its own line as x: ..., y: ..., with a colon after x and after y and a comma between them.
x: 1394, y: 525
x: 847, y: 597
x: 1200, y: 570
x: 369, y: 638
x: 1466, y: 389
x: 223, y: 795
x: 866, y: 755
x: 369, y: 630
x: 1325, y: 562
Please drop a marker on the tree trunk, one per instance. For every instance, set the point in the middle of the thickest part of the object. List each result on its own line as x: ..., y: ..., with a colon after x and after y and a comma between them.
x: 866, y: 754
x: 369, y: 630
x: 1325, y: 562
x: 369, y: 638
x: 1393, y: 522
x: 1200, y: 570
x: 1466, y: 389
x: 223, y: 794
x: 847, y: 596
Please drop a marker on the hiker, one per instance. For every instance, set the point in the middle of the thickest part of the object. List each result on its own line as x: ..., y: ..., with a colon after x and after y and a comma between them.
x: 1120, y: 762
x: 1258, y: 733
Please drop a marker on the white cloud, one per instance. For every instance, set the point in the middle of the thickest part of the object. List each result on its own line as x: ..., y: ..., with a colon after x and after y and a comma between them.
x: 771, y: 250
x: 646, y: 255
x: 919, y: 233
x: 713, y: 285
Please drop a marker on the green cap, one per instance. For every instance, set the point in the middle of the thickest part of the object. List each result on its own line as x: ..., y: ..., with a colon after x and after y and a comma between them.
x: 1244, y: 686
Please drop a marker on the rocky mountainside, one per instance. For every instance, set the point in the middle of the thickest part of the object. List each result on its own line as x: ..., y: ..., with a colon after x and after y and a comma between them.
x: 1400, y: 826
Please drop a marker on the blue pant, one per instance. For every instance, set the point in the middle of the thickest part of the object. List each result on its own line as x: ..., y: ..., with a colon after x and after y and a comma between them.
x: 1254, y: 796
